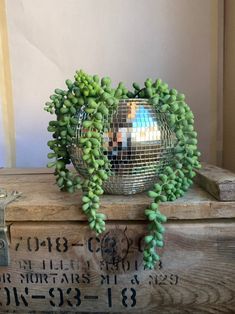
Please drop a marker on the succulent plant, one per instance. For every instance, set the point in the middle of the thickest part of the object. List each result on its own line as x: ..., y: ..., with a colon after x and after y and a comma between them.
x: 100, y: 100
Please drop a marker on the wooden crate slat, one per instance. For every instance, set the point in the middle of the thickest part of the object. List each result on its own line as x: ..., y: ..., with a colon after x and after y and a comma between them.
x: 42, y: 201
x: 217, y: 181
x: 59, y: 265
x: 77, y: 271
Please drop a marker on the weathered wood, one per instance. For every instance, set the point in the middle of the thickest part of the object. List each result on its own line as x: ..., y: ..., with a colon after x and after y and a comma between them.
x: 65, y: 267
x: 42, y: 201
x: 59, y: 265
x: 217, y: 181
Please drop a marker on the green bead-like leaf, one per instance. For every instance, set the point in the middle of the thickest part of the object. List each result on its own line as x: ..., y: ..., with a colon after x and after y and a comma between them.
x: 101, y: 216
x: 87, y: 123
x: 60, y: 182
x: 60, y: 165
x: 85, y: 199
x: 136, y: 86
x: 149, y: 92
x: 164, y: 109
x: 152, y: 194
x: 148, y: 239
x: 161, y: 217
x: 154, y: 206
x: 118, y: 93
x: 92, y: 224
x: 163, y: 178
x: 159, y: 243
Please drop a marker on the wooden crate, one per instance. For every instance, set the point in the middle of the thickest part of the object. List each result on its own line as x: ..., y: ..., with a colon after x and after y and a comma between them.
x: 59, y: 265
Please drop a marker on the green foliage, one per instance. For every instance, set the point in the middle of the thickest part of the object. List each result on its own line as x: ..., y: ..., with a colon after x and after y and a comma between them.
x: 101, y: 101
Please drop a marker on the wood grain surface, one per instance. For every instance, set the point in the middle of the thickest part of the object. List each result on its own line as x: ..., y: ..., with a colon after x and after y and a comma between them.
x: 217, y: 181
x: 58, y: 265
x: 42, y: 201
x: 65, y: 267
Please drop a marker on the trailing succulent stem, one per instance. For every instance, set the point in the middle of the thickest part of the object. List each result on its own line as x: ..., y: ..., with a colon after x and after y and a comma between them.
x: 99, y: 101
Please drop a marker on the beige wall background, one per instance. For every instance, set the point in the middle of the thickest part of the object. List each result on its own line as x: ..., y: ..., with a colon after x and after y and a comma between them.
x: 7, y: 125
x: 229, y: 87
x: 177, y: 40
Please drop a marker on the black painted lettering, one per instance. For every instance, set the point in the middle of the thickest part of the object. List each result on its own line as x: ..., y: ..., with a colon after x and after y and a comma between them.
x: 110, y: 297
x: 102, y: 264
x: 8, y: 278
x: 20, y: 297
x: 51, y: 294
x: 34, y: 277
x: 23, y: 278
x: 174, y: 279
x: 5, y: 278
x: 53, y: 265
x: 61, y: 244
x: 160, y: 264
x: 86, y: 278
x: 163, y: 279
x: 92, y: 244
x: 49, y: 244
x: 64, y: 266
x: 114, y: 266
x: 33, y: 244
x: 68, y: 293
x: 104, y: 279
x: 18, y: 244
x: 45, y: 278
x: 74, y: 265
x: 151, y: 281
x: 78, y: 297
x: 109, y: 246
x: 124, y: 297
x: 56, y: 294
x: 61, y: 297
x: 135, y: 280
x: 132, y: 297
x: 125, y: 265
x: 76, y: 278
x: 64, y: 278
x: 25, y: 264
x: 136, y: 265
x: 141, y: 244
x: 53, y: 276
x: 8, y: 296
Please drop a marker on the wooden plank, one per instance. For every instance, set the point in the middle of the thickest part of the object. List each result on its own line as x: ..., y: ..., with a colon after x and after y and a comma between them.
x: 42, y: 201
x: 28, y: 171
x: 65, y: 267
x: 217, y: 181
x: 17, y: 171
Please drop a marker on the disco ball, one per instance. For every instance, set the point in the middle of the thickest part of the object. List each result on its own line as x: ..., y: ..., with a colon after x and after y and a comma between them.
x: 139, y: 144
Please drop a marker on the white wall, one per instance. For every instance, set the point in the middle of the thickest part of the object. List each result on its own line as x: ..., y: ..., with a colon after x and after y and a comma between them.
x: 128, y: 40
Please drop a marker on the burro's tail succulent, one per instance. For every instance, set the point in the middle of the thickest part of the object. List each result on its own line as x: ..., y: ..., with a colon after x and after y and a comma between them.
x: 99, y: 100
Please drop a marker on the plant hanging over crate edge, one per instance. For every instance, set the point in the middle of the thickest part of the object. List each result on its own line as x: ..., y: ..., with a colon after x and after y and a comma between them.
x: 84, y: 113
